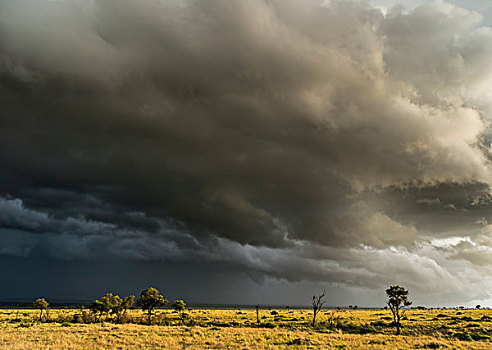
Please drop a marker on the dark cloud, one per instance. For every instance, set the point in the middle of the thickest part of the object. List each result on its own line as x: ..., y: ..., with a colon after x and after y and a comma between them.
x: 300, y: 140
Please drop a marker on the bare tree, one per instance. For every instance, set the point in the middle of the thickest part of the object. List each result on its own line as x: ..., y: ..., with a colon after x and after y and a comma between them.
x: 397, y: 299
x: 317, y: 305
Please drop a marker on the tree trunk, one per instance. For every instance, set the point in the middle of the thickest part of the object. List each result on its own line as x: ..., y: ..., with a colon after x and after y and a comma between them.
x: 150, y: 316
x: 258, y: 313
x: 40, y: 315
x: 314, y: 318
x: 396, y: 318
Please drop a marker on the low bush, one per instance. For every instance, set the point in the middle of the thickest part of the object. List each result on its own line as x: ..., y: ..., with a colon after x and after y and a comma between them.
x: 380, y: 323
x: 480, y: 336
x: 433, y: 345
x: 462, y: 336
x: 356, y: 328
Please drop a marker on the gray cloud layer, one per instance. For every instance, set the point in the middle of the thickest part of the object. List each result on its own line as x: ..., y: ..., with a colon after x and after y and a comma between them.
x: 299, y: 139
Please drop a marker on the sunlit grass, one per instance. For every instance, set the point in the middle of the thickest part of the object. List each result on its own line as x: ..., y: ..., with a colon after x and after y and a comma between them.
x: 237, y: 329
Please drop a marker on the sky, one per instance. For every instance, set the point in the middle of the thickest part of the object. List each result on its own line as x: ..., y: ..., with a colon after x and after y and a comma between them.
x: 246, y: 152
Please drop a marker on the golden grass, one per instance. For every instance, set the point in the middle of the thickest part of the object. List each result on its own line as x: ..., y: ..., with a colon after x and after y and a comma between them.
x: 236, y: 329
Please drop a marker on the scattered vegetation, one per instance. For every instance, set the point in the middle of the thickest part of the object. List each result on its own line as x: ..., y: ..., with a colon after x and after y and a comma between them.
x: 114, y: 322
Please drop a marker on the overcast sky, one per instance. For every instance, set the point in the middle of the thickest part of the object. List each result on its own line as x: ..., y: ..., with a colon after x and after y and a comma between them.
x: 252, y: 151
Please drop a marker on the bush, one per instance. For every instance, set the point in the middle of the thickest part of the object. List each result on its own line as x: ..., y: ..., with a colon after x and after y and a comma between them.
x: 77, y: 318
x: 126, y: 318
x: 462, y: 336
x: 479, y: 336
x: 380, y: 323
x: 26, y: 324
x: 433, y: 345
x: 354, y: 328
x: 299, y: 341
x: 267, y: 325
x: 379, y: 342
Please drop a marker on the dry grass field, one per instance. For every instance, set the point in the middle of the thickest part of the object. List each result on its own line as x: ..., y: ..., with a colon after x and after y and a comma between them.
x: 237, y: 329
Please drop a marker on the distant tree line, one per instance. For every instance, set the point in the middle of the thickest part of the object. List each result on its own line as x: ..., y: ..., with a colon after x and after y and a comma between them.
x: 113, y: 308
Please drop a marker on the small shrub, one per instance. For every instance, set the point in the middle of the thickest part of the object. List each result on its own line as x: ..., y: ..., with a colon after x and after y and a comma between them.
x: 479, y: 336
x: 26, y: 324
x: 77, y: 318
x: 354, y: 328
x: 66, y: 324
x: 299, y: 341
x: 462, y: 336
x: 379, y: 323
x: 87, y: 317
x: 433, y: 345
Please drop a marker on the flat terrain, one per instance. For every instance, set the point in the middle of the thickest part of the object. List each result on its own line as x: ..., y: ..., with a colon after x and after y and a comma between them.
x: 237, y: 329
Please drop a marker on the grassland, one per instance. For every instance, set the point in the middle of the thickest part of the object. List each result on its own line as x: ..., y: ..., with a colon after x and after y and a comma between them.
x: 237, y: 329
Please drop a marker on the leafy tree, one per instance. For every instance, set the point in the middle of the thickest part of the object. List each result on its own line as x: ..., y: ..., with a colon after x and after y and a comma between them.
x: 41, y: 304
x: 120, y: 306
x: 149, y: 300
x: 317, y: 305
x: 102, y: 306
x: 397, y: 299
x: 478, y: 307
x: 180, y: 307
x: 111, y: 304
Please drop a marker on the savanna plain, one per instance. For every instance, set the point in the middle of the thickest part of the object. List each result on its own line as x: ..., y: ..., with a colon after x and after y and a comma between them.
x: 239, y: 329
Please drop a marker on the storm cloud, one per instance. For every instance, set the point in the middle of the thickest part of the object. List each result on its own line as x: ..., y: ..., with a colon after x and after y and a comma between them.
x: 323, y: 141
